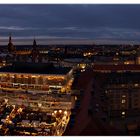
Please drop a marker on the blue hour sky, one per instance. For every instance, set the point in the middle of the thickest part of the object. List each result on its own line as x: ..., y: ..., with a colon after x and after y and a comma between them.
x: 67, y: 22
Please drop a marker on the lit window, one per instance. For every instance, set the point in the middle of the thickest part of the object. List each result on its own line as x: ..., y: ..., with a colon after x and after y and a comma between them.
x: 123, y: 101
x: 136, y: 85
x: 123, y: 113
x: 123, y: 96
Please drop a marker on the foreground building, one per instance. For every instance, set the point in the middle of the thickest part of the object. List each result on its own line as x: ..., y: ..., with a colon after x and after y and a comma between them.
x: 33, y: 82
x: 120, y: 94
x: 122, y: 90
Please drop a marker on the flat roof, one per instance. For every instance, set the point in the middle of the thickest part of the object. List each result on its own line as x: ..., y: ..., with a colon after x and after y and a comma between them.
x: 129, y: 67
x: 35, y: 68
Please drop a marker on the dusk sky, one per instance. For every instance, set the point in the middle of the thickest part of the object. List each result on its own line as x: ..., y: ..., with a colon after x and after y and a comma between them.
x: 93, y: 23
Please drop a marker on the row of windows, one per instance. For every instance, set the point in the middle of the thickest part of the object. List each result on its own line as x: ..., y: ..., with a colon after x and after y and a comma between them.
x: 25, y: 86
x: 30, y: 79
x: 39, y: 81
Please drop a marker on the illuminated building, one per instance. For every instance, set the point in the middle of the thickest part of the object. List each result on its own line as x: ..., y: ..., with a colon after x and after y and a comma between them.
x: 39, y: 76
x: 29, y: 55
x: 24, y: 55
x: 28, y: 79
x: 76, y: 63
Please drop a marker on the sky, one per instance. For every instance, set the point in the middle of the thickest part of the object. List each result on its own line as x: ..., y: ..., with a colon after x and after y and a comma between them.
x: 93, y: 23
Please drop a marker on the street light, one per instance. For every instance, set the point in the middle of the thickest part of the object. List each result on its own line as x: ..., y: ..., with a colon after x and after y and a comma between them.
x: 55, y: 111
x: 65, y: 112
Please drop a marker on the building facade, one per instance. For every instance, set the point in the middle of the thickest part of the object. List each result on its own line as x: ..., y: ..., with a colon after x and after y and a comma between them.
x: 121, y: 89
x: 33, y: 83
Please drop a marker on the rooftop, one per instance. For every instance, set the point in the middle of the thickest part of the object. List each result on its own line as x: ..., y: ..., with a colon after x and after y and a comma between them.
x: 130, y: 67
x: 35, y: 68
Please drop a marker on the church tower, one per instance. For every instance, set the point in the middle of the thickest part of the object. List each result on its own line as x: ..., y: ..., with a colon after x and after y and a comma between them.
x: 11, y: 48
x: 34, y: 52
x: 34, y: 44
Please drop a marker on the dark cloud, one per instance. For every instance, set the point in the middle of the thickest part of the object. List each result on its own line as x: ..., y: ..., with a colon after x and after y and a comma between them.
x: 97, y: 22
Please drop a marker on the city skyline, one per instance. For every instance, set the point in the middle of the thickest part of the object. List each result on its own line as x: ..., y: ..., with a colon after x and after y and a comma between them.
x: 90, y: 23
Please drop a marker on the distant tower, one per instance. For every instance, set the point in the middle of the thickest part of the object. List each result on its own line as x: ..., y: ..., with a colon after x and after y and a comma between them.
x: 35, y: 52
x: 34, y: 44
x: 11, y: 48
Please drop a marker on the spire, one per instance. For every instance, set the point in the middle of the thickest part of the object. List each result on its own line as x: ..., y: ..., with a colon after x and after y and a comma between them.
x: 10, y: 38
x: 34, y: 52
x: 11, y: 47
x: 34, y: 42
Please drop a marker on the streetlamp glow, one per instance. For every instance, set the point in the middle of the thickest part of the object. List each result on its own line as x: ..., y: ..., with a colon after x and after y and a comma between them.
x: 65, y: 112
x: 55, y: 111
